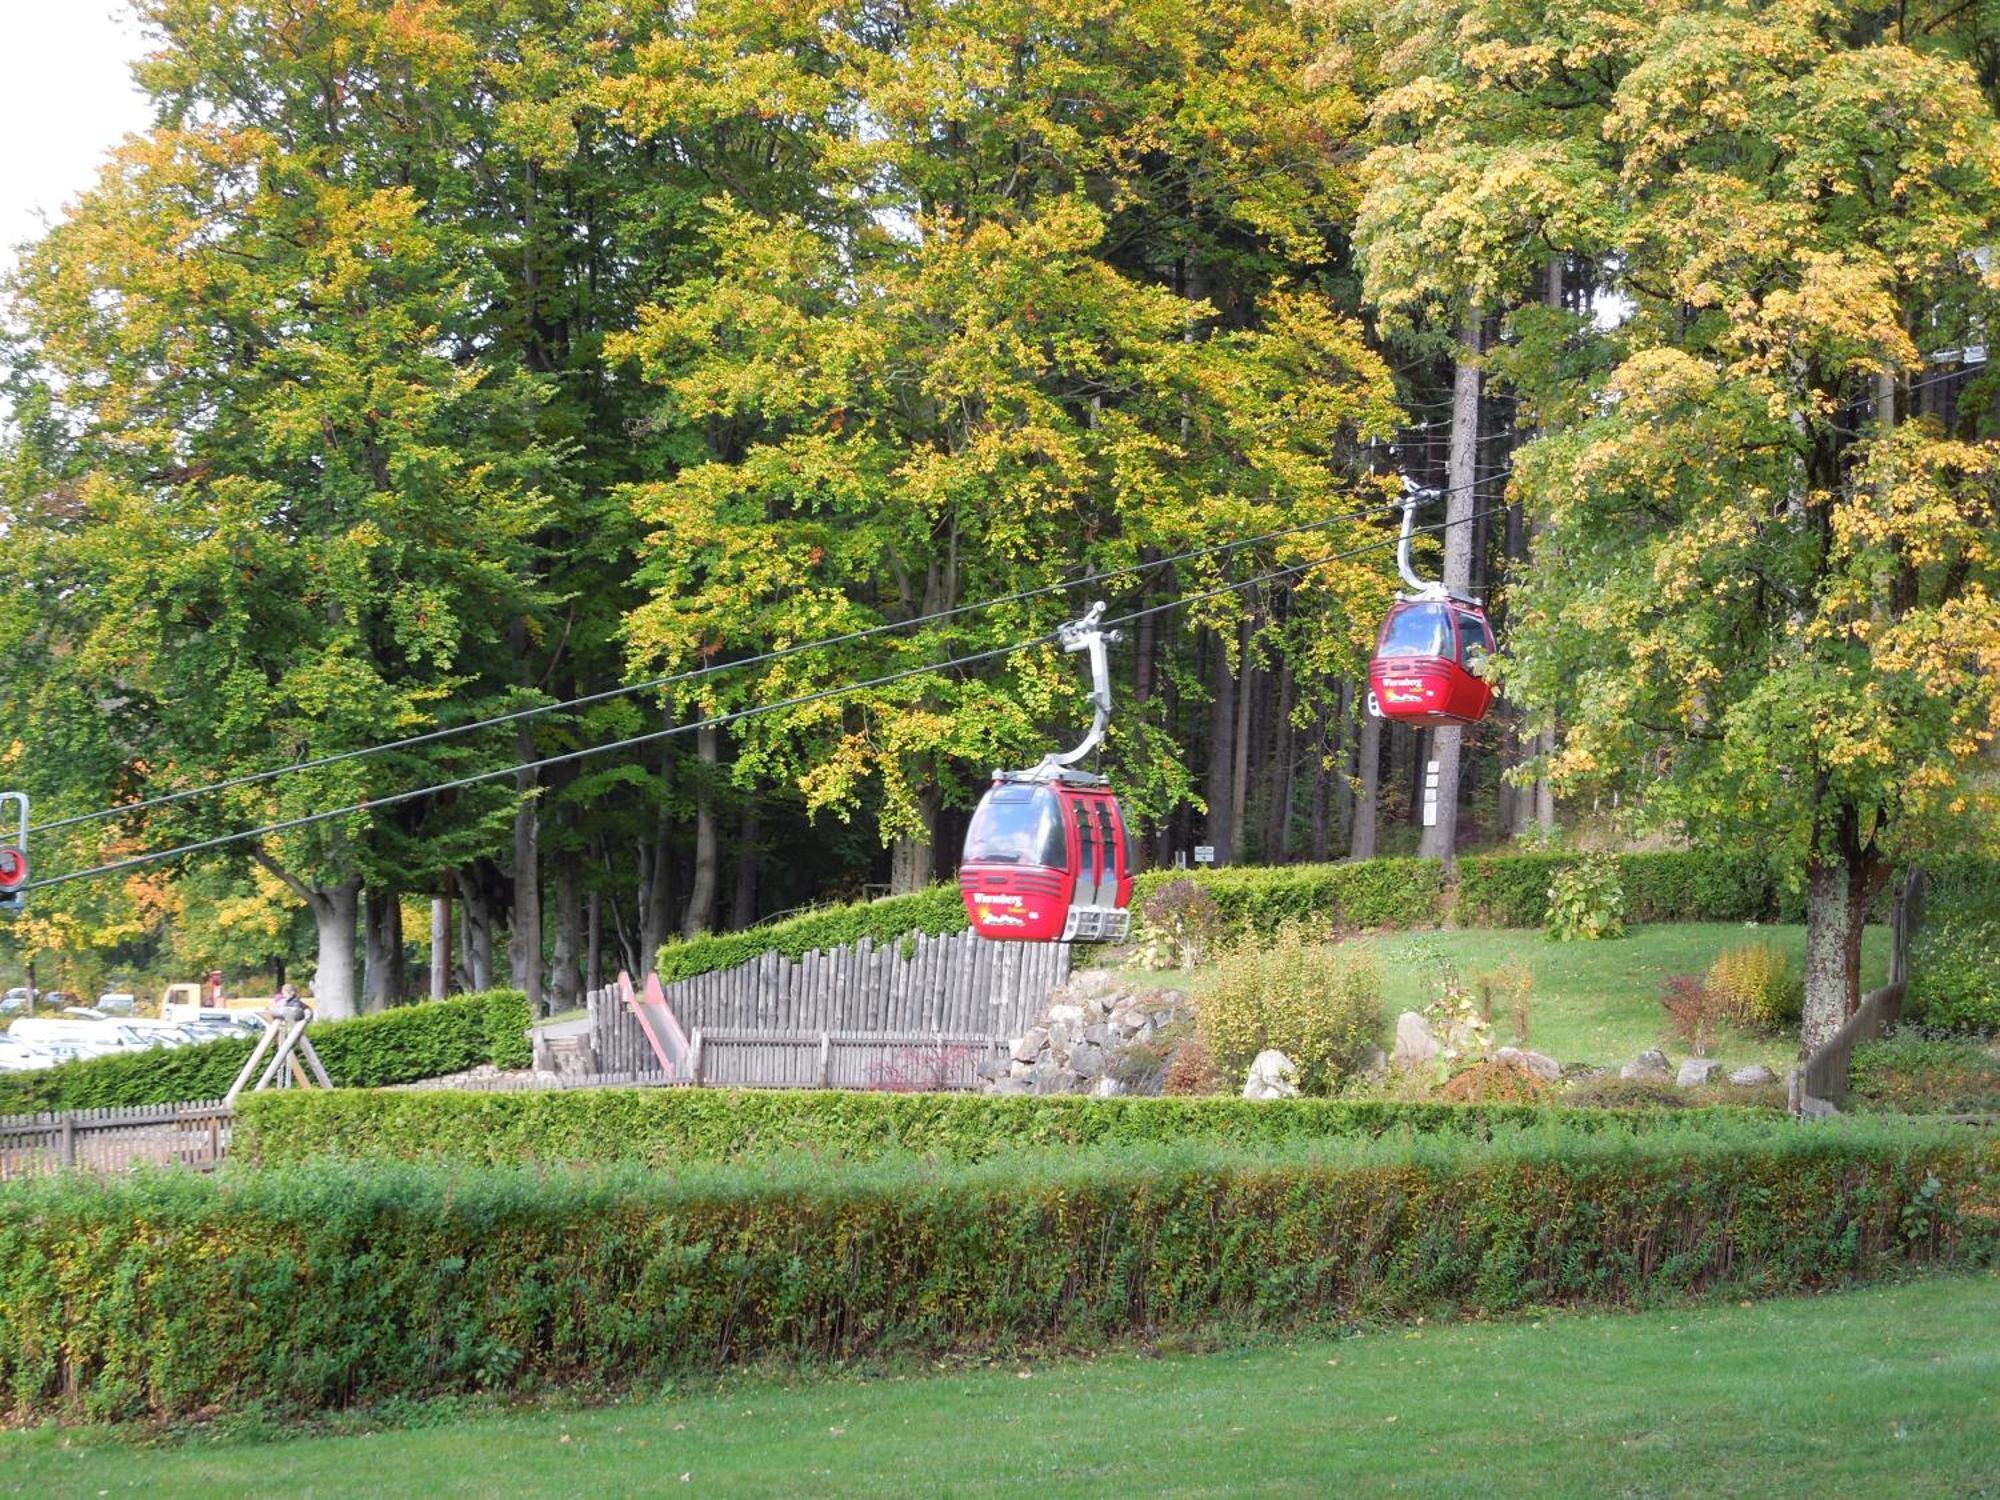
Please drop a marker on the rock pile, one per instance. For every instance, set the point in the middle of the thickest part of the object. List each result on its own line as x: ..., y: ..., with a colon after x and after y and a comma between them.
x: 1072, y: 1048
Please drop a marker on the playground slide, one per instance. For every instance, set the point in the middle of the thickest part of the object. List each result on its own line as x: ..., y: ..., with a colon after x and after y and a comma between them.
x: 656, y: 1019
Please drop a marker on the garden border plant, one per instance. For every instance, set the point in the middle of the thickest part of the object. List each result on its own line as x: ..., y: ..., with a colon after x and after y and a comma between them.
x: 163, y: 1296
x: 675, y: 1128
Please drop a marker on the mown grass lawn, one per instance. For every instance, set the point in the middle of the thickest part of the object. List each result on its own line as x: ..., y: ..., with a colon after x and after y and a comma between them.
x: 1591, y: 1002
x: 1888, y: 1391
x: 1600, y: 1002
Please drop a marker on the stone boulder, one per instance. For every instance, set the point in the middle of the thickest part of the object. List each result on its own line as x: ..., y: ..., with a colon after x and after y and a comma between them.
x: 1697, y: 1071
x: 1652, y: 1063
x: 1029, y: 1047
x: 1416, y: 1044
x: 1753, y: 1076
x: 1272, y: 1076
x: 1540, y: 1064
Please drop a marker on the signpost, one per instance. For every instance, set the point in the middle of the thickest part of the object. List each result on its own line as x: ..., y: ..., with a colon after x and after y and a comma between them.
x: 1204, y: 854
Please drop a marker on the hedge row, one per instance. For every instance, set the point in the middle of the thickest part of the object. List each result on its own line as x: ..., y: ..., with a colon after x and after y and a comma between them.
x: 1493, y: 890
x: 934, y: 911
x: 677, y: 1127
x: 163, y: 1296
x: 396, y: 1046
x: 1512, y: 890
x: 1257, y: 899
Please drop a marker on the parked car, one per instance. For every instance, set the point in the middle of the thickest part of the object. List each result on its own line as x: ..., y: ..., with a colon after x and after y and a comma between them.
x: 117, y: 1002
x: 58, y: 998
x: 14, y: 1002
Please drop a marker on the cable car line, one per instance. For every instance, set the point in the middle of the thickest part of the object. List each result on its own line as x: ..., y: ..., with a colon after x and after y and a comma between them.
x: 254, y: 778
x: 735, y: 716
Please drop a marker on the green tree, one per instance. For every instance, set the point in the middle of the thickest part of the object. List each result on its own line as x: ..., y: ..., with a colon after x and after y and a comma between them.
x: 1765, y: 605
x: 941, y: 383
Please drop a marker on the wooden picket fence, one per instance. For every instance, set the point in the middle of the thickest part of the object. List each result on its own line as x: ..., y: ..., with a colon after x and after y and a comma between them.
x: 115, y: 1140
x: 905, y: 1063
x: 917, y: 989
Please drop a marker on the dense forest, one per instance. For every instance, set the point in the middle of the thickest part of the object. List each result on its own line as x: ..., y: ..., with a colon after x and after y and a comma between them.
x: 432, y: 361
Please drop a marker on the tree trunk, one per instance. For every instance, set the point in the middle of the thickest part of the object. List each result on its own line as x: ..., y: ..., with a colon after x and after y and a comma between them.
x: 1368, y: 797
x: 524, y: 928
x: 593, y: 921
x: 440, y: 946
x: 1322, y: 793
x: 1221, y: 752
x: 700, y: 914
x: 1440, y: 841
x: 1545, y: 792
x: 382, y: 966
x: 1239, y: 769
x: 475, y: 930
x: 743, y: 898
x: 1278, y: 822
x: 1839, y: 891
x: 913, y: 858
x: 566, y: 975
x: 336, y: 914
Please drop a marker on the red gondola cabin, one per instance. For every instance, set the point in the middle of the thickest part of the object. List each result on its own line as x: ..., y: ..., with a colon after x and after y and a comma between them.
x: 1045, y: 861
x: 1422, y: 669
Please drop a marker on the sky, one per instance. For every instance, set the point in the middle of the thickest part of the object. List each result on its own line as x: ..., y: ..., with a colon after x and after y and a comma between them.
x: 66, y: 98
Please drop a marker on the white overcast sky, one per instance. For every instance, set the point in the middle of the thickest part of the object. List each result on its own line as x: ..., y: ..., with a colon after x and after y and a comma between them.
x: 66, y: 98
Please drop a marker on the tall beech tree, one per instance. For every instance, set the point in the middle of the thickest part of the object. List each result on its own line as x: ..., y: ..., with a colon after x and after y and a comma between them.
x: 956, y: 374
x: 279, y: 510
x: 1765, y: 603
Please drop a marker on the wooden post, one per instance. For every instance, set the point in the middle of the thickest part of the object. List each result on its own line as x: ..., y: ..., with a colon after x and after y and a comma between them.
x: 694, y: 1057
x: 68, y: 1147
x: 825, y: 1057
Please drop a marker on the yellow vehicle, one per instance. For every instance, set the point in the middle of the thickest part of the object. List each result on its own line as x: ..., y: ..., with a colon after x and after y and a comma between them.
x: 190, y: 1002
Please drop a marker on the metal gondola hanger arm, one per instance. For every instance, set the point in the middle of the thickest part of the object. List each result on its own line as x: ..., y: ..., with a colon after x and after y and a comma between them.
x: 1087, y: 634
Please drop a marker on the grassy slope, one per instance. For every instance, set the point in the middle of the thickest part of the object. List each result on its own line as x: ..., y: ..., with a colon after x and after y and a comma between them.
x: 1596, y: 1002
x: 1900, y: 1394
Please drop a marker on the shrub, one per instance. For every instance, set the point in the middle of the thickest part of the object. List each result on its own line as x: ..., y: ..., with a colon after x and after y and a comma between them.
x: 396, y: 1046
x: 1693, y: 1011
x: 1586, y: 901
x: 1318, y: 1003
x: 166, y: 1296
x: 1179, y: 922
x: 676, y: 1128
x: 1609, y: 1091
x: 1759, y: 986
x: 1911, y: 1073
x: 1463, y: 1028
x: 1955, y: 973
x: 1191, y: 1071
x: 1496, y: 1083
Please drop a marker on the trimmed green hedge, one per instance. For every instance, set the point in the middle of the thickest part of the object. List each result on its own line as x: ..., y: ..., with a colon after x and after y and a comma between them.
x: 1372, y: 893
x: 1493, y: 890
x: 937, y: 910
x: 1258, y: 899
x: 396, y: 1046
x: 163, y: 1295
x: 1512, y: 890
x: 679, y: 1127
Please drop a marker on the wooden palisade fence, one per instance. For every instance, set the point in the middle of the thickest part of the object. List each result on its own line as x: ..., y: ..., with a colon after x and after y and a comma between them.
x: 955, y: 990
x: 111, y: 1140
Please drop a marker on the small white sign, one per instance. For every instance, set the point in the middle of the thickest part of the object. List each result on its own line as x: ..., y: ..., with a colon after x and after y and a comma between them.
x: 1204, y: 854
x: 1431, y: 795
